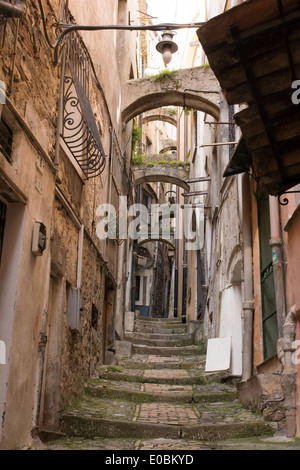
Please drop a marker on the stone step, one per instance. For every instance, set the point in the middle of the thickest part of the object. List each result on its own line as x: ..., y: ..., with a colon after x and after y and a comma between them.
x: 164, y: 351
x: 160, y: 393
x: 153, y: 392
x: 156, y: 329
x: 164, y: 321
x: 140, y: 335
x: 94, y: 417
x: 160, y: 340
x: 159, y: 376
x: 166, y: 324
x: 139, y: 361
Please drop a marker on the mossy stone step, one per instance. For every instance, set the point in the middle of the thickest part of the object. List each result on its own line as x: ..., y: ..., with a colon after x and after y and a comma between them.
x: 160, y: 340
x: 92, y: 417
x: 152, y: 393
x: 139, y: 361
x: 159, y: 376
x: 160, y: 330
x: 165, y: 351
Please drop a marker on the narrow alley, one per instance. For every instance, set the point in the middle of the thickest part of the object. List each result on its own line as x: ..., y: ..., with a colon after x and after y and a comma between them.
x: 161, y: 399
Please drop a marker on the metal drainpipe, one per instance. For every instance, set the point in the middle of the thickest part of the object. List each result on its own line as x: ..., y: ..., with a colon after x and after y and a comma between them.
x: 13, y: 11
x: 184, y: 266
x: 276, y: 244
x: 135, y: 243
x: 60, y: 111
x: 248, y: 303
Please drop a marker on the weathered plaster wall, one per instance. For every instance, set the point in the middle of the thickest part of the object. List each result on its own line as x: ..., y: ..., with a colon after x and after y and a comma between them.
x: 42, y: 376
x: 32, y: 102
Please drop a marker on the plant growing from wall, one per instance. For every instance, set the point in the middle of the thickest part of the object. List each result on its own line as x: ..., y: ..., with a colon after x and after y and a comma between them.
x: 166, y: 75
x: 138, y: 159
x: 136, y: 136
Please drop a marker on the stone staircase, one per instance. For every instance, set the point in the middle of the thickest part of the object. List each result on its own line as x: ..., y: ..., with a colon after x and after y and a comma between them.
x: 159, y: 398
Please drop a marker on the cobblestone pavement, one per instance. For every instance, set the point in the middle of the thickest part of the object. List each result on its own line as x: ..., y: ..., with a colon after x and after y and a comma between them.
x: 163, y: 403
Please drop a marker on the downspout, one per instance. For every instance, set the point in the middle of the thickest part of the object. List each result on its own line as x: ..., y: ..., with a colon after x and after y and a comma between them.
x: 177, y: 226
x: 60, y: 111
x: 288, y: 377
x: 138, y: 200
x: 135, y: 242
x: 13, y: 11
x: 248, y: 301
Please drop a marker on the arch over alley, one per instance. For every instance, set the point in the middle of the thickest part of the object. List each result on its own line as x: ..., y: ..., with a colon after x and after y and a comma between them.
x: 168, y: 241
x: 196, y: 88
x: 163, y: 114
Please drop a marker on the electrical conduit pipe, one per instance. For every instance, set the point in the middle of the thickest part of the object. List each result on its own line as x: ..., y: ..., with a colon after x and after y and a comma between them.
x: 13, y: 11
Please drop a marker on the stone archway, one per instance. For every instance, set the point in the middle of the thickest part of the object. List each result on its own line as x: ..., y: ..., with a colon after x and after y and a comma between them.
x: 161, y: 173
x: 168, y: 241
x: 163, y: 114
x: 195, y: 88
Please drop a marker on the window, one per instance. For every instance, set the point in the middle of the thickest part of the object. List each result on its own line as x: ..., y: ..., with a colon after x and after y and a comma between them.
x: 6, y: 139
x: 2, y: 224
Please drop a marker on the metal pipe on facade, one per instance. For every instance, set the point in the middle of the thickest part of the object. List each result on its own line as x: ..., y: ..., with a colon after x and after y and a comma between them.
x: 184, y: 266
x: 248, y: 301
x: 199, y: 179
x: 13, y: 11
x: 177, y: 226
x: 218, y: 144
x: 60, y: 111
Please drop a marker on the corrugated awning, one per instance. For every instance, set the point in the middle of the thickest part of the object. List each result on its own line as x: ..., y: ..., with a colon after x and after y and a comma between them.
x: 254, y: 51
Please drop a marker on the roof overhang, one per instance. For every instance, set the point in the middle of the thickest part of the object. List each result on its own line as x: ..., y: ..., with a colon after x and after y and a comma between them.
x: 254, y: 51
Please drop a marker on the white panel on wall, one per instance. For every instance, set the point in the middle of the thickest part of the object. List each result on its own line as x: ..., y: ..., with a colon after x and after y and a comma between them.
x: 218, y: 354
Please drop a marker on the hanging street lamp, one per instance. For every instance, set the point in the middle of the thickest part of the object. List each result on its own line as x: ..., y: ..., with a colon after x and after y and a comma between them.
x: 167, y: 47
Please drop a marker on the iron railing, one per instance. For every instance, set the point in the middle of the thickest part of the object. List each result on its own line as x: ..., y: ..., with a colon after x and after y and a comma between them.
x: 79, y: 128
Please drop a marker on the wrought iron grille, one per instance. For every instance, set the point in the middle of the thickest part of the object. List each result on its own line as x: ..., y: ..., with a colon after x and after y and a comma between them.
x: 6, y: 140
x: 79, y: 129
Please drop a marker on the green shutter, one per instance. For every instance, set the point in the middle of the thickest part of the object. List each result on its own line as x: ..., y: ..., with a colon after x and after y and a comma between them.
x: 269, y: 316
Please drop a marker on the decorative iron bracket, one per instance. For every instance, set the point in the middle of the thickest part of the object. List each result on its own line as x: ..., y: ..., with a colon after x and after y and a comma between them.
x: 285, y: 201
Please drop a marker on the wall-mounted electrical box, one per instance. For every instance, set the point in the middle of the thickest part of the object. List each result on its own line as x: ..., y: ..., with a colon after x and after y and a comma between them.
x: 74, y: 308
x: 39, y: 238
